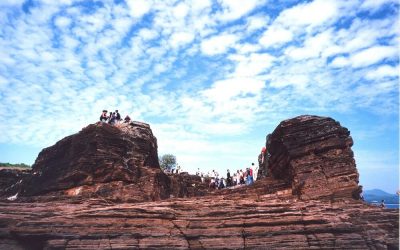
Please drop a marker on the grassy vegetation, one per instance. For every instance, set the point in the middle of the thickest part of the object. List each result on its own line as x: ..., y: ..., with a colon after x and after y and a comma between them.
x: 9, y: 165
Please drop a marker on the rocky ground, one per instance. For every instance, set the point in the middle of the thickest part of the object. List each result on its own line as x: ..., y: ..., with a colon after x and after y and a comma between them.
x: 243, y: 220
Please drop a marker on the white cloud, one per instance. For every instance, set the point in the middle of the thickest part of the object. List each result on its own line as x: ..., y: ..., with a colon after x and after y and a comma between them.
x: 234, y: 9
x: 218, y: 44
x: 382, y: 72
x: 199, y: 6
x: 376, y: 4
x: 62, y: 22
x: 373, y: 55
x: 340, y: 61
x: 138, y: 8
x: 313, y: 13
x: 147, y: 34
x: 245, y: 48
x: 230, y: 88
x: 180, y: 11
x: 275, y: 36
x: 181, y: 38
x: 257, y: 22
x: 313, y: 46
x: 252, y: 65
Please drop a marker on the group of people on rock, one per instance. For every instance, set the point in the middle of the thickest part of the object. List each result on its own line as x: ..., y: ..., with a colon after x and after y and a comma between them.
x: 239, y: 178
x: 174, y: 170
x: 113, y: 118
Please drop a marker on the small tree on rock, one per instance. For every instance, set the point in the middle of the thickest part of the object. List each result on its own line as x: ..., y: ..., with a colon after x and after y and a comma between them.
x: 167, y: 162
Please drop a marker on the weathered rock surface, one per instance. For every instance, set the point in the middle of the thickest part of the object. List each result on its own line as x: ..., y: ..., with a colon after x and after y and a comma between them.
x: 118, y: 163
x: 102, y: 189
x: 314, y: 155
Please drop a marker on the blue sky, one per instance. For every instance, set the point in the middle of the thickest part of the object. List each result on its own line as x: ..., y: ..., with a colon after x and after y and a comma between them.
x: 211, y: 77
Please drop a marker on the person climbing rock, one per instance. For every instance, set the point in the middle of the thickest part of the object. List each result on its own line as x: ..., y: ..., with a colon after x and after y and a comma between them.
x: 263, y: 150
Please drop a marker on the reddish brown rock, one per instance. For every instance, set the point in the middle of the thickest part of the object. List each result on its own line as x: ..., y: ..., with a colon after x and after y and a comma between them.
x: 9, y: 177
x: 314, y: 155
x: 211, y: 222
x: 118, y: 163
x: 103, y: 168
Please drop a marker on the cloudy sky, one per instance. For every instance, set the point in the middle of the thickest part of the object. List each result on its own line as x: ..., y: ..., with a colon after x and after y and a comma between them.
x: 211, y: 77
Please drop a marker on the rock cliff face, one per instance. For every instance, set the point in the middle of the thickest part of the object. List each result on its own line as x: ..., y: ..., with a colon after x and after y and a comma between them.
x: 106, y: 189
x: 314, y: 155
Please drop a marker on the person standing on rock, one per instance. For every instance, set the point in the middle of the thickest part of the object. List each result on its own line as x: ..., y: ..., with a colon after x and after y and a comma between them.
x: 117, y: 116
x: 228, y: 179
x: 241, y: 177
x: 250, y: 174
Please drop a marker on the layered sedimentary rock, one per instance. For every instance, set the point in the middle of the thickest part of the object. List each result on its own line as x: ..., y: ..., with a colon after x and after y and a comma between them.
x: 114, y: 162
x: 212, y: 222
x: 314, y: 155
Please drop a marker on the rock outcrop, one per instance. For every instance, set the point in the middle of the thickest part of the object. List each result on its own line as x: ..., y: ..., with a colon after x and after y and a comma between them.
x: 118, y: 163
x: 314, y: 155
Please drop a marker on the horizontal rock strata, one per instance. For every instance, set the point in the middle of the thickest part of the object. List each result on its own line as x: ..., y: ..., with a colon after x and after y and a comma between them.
x: 314, y: 155
x: 212, y: 222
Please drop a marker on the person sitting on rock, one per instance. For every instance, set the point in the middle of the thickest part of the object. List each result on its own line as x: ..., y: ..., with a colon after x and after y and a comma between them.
x: 103, y: 116
x: 127, y: 119
x: 112, y: 118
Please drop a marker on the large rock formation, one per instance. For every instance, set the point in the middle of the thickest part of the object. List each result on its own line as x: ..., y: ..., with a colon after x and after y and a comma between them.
x: 313, y: 154
x: 103, y: 166
x: 110, y: 162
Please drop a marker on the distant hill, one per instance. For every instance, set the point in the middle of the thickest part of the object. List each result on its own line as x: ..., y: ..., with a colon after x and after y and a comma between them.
x: 9, y: 165
x: 378, y: 195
